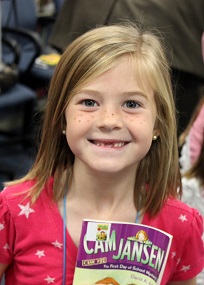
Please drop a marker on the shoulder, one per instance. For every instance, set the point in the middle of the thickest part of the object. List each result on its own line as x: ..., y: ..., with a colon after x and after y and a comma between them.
x: 177, y: 218
x: 11, y: 190
x: 15, y: 192
x: 185, y: 224
x: 21, y: 189
x: 13, y: 196
x: 180, y: 215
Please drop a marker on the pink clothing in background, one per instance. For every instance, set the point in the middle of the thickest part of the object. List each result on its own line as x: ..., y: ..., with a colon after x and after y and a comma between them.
x: 196, y: 136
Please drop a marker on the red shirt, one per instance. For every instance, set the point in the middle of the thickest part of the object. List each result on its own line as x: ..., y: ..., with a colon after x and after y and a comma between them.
x: 31, y: 239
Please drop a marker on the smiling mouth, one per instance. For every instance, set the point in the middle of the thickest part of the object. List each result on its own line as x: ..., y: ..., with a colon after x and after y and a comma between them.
x: 109, y: 144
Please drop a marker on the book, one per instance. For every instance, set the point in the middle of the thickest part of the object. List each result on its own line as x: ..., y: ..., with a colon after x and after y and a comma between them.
x: 118, y: 253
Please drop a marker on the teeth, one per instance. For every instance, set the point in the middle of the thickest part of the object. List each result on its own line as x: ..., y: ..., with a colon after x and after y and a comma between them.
x: 111, y: 145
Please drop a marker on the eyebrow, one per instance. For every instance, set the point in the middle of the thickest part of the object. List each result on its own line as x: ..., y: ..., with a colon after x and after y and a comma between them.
x: 127, y: 93
x: 135, y: 93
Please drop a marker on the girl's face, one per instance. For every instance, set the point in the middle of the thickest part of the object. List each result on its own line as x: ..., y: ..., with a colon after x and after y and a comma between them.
x: 110, y: 121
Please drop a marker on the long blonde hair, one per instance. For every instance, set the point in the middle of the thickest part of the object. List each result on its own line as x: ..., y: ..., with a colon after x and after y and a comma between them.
x: 87, y: 57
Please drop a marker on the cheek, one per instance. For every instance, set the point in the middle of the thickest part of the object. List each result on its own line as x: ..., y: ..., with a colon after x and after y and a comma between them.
x: 77, y: 125
x: 77, y: 117
x: 74, y: 127
x: 142, y: 131
x: 141, y: 126
x: 73, y: 119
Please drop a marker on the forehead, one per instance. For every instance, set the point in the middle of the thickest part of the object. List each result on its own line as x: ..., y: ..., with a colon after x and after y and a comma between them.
x: 125, y: 74
x: 127, y: 70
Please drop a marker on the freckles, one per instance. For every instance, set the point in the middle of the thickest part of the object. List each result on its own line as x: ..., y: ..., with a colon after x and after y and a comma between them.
x: 76, y: 119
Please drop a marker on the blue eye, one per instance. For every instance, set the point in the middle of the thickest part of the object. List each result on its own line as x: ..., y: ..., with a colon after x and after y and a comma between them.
x: 131, y: 104
x: 89, y: 103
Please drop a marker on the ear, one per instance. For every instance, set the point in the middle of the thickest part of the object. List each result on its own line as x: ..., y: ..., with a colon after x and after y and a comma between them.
x: 156, y: 132
x: 156, y: 128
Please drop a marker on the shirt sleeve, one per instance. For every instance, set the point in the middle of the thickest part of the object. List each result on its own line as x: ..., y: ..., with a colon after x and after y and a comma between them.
x: 191, y: 246
x: 7, y: 231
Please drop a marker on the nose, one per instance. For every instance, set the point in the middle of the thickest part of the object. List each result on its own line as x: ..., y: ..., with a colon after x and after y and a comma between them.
x: 110, y: 119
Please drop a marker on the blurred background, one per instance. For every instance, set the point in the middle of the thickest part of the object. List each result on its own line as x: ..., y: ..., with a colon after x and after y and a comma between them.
x: 33, y: 35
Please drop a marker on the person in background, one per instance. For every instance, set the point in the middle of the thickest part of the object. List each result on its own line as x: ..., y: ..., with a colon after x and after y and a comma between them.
x: 108, y: 152
x: 191, y: 159
x: 180, y: 23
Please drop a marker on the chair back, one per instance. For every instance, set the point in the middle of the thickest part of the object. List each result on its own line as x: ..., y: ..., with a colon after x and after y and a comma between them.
x: 19, y: 14
x: 19, y: 22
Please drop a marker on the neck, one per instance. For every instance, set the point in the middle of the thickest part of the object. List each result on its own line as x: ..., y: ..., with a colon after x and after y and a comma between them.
x: 99, y: 196
x: 105, y: 192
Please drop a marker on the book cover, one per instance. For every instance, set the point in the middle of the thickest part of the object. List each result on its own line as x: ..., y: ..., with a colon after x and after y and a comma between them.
x: 121, y: 254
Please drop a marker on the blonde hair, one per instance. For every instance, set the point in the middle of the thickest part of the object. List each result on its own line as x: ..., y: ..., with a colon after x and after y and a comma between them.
x: 87, y: 57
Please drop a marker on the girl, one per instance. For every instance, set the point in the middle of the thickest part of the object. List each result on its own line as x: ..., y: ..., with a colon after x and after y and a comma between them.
x: 108, y: 152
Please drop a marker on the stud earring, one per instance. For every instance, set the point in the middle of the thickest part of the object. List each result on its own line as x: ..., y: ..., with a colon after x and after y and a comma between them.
x: 154, y: 138
x: 63, y: 132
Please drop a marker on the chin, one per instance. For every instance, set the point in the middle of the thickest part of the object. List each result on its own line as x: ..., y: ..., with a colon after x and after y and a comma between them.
x: 109, y: 169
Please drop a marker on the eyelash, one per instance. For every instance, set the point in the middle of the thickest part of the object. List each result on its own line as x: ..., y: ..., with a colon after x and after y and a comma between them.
x: 136, y: 104
x: 84, y: 102
x: 87, y: 102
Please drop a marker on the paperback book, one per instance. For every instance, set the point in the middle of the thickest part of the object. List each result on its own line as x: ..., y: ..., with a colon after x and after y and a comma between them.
x: 121, y: 254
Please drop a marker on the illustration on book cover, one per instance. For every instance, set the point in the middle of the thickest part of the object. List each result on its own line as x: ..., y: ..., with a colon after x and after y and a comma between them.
x: 121, y: 254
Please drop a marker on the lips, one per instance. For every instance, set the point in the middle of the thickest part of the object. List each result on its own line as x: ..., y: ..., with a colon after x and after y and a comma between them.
x: 109, y: 144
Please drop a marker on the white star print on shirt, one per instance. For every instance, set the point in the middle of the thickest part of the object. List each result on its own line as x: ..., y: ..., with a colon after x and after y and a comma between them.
x: 173, y: 254
x: 40, y: 253
x: 183, y: 218
x: 1, y: 226
x: 185, y: 268
x: 25, y: 210
x: 49, y: 280
x: 6, y: 246
x: 57, y: 244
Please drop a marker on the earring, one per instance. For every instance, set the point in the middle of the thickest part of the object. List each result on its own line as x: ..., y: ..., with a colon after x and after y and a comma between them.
x: 63, y: 132
x: 154, y: 138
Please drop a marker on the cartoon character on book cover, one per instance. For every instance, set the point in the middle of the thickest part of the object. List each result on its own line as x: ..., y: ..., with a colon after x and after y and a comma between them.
x: 121, y: 254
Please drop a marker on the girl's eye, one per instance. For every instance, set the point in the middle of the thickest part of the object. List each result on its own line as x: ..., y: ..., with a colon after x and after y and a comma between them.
x: 131, y: 104
x: 89, y: 103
